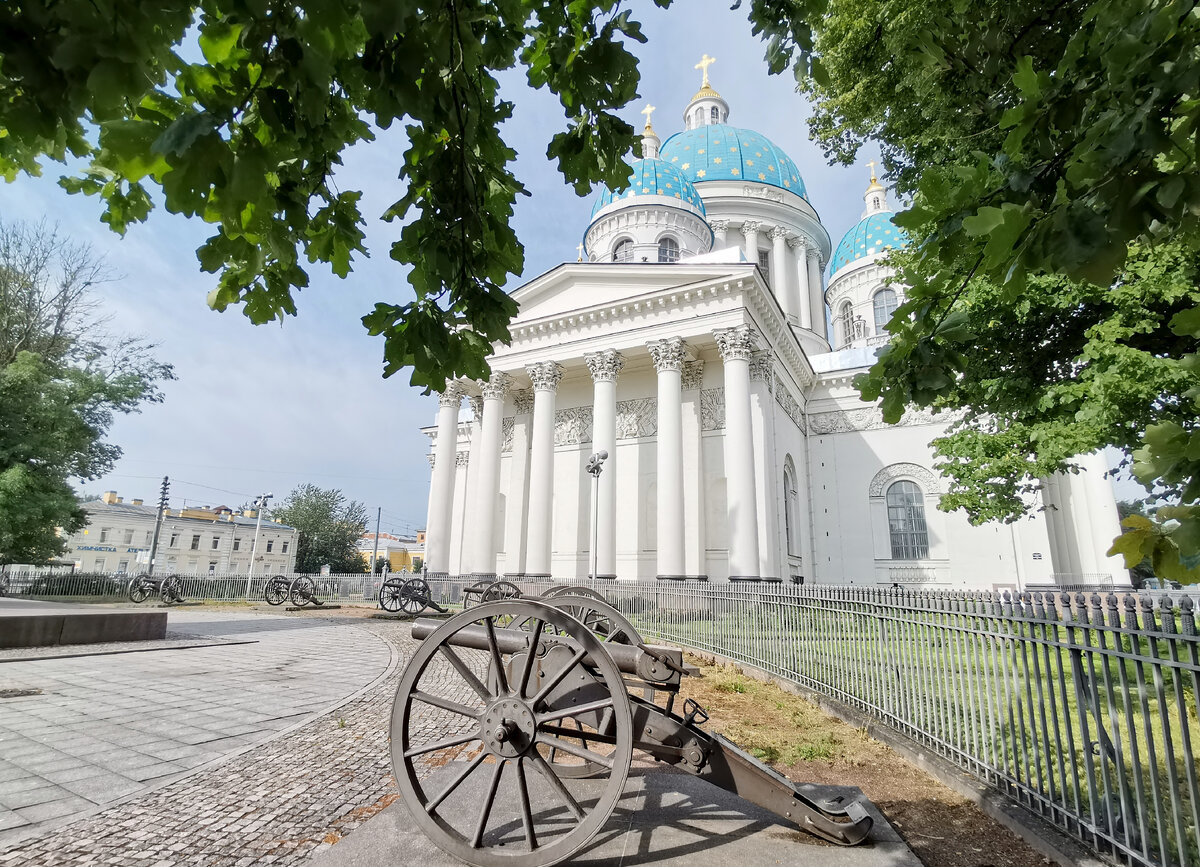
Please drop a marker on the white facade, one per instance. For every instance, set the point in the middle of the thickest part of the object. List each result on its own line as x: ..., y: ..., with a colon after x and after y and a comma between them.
x: 738, y: 447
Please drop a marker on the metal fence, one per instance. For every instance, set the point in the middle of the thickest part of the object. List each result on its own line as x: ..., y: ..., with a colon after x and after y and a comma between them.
x: 1083, y: 708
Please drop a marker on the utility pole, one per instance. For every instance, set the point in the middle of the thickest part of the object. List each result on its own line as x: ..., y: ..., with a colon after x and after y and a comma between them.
x: 162, y: 508
x: 259, y: 505
x: 375, y: 553
x: 595, y: 466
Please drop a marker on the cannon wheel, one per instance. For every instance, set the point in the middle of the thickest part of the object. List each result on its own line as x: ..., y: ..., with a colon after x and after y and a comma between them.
x: 572, y: 590
x: 414, y: 596
x: 518, y: 705
x: 604, y: 621
x: 500, y: 590
x: 389, y: 596
x: 276, y: 590
x: 138, y: 591
x: 473, y: 592
x: 170, y: 590
x: 302, y: 590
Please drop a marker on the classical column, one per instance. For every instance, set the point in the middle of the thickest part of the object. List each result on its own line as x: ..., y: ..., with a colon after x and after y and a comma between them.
x: 750, y: 233
x: 483, y: 564
x: 816, y: 293
x: 767, y: 466
x: 695, y: 552
x: 719, y: 227
x: 545, y: 377
x: 516, y: 513
x: 463, y: 545
x: 668, y: 358
x: 780, y: 284
x: 1106, y: 523
x: 736, y: 345
x: 441, y: 494
x: 803, y: 294
x: 605, y: 367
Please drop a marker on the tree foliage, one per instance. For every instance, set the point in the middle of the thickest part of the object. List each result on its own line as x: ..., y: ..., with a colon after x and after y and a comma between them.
x: 238, y: 111
x: 62, y: 381
x: 1049, y: 150
x: 330, y: 527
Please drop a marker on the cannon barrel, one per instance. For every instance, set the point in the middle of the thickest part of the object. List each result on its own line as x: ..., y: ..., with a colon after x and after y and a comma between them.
x: 651, y: 663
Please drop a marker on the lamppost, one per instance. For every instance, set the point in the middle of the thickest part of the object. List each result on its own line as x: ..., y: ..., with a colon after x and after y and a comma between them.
x: 259, y: 505
x: 594, y: 466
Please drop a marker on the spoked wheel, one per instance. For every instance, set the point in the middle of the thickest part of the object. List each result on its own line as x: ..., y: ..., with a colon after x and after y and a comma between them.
x: 389, y: 597
x: 605, y: 622
x: 139, y: 589
x: 498, y: 800
x: 276, y: 591
x: 414, y: 596
x: 500, y: 590
x: 572, y: 590
x: 473, y: 593
x: 171, y: 590
x: 302, y: 591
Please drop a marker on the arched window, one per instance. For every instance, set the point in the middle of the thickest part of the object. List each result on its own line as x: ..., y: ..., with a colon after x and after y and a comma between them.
x: 668, y: 250
x: 623, y: 252
x: 699, y: 116
x: 791, y: 508
x: 714, y: 115
x: 885, y: 306
x: 875, y: 202
x: 906, y: 521
x: 846, y: 323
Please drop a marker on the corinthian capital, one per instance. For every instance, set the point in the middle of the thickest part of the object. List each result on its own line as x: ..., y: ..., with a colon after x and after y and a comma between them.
x: 736, y: 344
x: 799, y: 243
x: 452, y: 396
x: 545, y: 375
x: 605, y: 365
x: 476, y: 406
x: 668, y: 354
x: 523, y: 400
x: 719, y: 226
x: 778, y: 232
x: 496, y: 387
x: 751, y: 227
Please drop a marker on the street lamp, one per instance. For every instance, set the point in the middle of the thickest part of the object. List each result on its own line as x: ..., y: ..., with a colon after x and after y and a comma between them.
x: 259, y: 505
x: 594, y: 466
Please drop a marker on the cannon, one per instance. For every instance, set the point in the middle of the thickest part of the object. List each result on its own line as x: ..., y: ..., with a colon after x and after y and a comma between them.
x: 303, y: 590
x: 409, y: 597
x: 530, y: 697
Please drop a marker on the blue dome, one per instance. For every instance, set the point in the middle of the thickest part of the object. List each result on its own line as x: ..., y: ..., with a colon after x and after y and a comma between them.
x: 653, y: 178
x: 717, y: 152
x: 873, y: 234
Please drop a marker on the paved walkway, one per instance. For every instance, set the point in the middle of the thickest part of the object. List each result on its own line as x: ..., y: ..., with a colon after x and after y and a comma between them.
x: 105, y: 727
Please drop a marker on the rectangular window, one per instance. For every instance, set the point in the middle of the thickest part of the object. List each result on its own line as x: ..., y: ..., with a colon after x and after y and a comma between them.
x: 98, y: 565
x: 171, y: 563
x: 149, y: 537
x: 237, y: 543
x: 174, y: 540
x: 764, y: 264
x: 191, y: 567
x: 216, y: 542
x: 284, y: 548
x: 128, y: 537
x: 212, y: 567
x: 123, y: 566
x: 104, y: 531
x: 196, y: 542
x: 270, y: 544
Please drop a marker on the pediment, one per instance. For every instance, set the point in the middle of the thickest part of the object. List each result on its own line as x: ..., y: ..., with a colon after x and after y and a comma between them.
x: 576, y: 286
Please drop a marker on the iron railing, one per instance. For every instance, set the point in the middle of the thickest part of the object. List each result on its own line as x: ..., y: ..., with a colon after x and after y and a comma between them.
x: 1081, y: 707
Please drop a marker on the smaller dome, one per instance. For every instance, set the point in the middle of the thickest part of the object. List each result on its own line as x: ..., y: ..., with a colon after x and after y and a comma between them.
x: 873, y: 234
x: 717, y: 152
x: 654, y: 178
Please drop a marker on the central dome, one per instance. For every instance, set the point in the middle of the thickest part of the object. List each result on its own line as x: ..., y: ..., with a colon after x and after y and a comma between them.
x: 718, y: 152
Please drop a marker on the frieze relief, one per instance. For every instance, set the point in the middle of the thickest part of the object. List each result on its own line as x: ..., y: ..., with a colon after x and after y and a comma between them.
x: 789, y: 406
x: 637, y: 418
x: 712, y: 409
x: 507, y: 426
x: 869, y: 418
x: 762, y: 193
x: 573, y: 426
x: 929, y: 481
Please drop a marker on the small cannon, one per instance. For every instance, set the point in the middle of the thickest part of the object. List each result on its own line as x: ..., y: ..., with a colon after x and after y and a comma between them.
x: 169, y: 589
x: 303, y: 590
x: 532, y: 696
x: 409, y: 597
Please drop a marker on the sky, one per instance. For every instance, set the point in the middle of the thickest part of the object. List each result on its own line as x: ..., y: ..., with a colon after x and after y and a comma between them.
x: 262, y: 409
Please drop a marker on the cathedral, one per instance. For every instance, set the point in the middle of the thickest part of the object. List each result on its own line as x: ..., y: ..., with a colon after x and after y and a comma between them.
x: 678, y: 404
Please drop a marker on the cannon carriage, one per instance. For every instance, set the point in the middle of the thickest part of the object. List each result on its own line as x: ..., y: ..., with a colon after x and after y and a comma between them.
x: 533, y: 708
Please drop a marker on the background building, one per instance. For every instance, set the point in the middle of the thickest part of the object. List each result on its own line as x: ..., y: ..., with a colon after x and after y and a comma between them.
x: 219, y: 540
x: 399, y: 553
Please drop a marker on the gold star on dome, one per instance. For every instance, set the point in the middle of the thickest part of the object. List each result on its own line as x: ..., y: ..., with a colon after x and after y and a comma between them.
x: 761, y: 176
x: 700, y: 151
x: 735, y: 171
x: 749, y: 162
x: 717, y: 160
x: 685, y: 166
x: 700, y: 173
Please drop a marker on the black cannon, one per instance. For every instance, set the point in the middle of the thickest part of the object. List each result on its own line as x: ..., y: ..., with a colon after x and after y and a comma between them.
x: 533, y: 694
x: 407, y: 597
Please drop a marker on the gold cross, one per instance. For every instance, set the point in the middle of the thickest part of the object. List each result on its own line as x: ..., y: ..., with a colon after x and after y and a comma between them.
x: 704, y: 64
x: 580, y: 249
x: 871, y: 164
x: 648, y: 110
